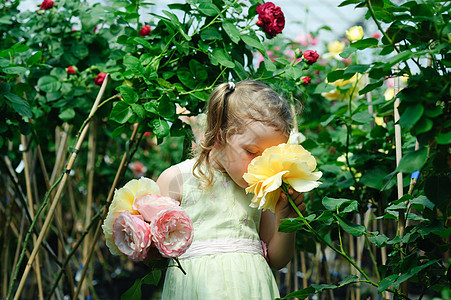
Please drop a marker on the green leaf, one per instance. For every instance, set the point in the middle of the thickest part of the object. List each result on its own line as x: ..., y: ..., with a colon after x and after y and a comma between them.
x: 333, y: 204
x: 444, y: 138
x: 138, y: 110
x: 223, y: 58
x: 186, y: 77
x: 49, y: 84
x: 128, y: 94
x: 141, y: 41
x: 351, y: 228
x: 67, y: 114
x: 363, y: 117
x: 386, y: 282
x: 15, y: 70
x: 211, y: 33
x: 358, y: 68
x: 335, y: 75
x: 121, y: 112
x: 365, y: 43
x: 166, y: 108
x: 160, y: 128
x: 411, y: 116
x: 423, y: 200
x: 323, y: 87
x: 232, y: 31
x: 253, y: 42
x: 198, y: 70
x: 379, y: 240
x: 348, y: 280
x: 413, y: 161
x: 134, y: 292
x: 209, y: 9
x: 304, y: 293
x: 20, y: 105
x: 423, y: 125
x: 322, y: 287
x: 347, y: 52
x: 412, y: 272
x: 79, y: 50
x: 373, y: 178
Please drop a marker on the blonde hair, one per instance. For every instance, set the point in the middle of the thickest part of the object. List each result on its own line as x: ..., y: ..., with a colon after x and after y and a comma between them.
x: 230, y: 108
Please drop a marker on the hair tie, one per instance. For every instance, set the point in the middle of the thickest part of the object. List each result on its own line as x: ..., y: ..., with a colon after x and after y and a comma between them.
x: 231, y: 86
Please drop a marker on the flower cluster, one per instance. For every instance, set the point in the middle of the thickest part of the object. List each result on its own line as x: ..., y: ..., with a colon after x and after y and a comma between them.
x: 345, y: 89
x: 270, y: 19
x: 285, y: 163
x: 139, y: 218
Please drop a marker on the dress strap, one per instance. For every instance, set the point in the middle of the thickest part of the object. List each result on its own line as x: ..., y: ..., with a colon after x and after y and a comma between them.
x: 225, y: 245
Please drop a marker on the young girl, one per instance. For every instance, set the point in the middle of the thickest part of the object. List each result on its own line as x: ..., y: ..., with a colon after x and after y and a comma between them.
x: 226, y: 259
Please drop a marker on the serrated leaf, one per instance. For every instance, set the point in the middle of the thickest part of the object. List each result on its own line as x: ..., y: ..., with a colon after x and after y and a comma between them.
x: 351, y: 228
x: 209, y: 9
x: 15, y: 70
x: 49, y: 84
x: 363, y: 117
x: 128, y: 94
x: 223, y: 58
x: 160, y: 128
x: 121, y: 112
x: 253, y: 42
x: 20, y: 105
x: 232, y: 31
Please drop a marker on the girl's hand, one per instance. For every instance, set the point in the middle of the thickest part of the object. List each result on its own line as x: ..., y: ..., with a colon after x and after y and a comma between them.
x: 283, y: 207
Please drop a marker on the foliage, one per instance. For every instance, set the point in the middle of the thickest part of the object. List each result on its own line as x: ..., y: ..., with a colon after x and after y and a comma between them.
x: 157, y: 78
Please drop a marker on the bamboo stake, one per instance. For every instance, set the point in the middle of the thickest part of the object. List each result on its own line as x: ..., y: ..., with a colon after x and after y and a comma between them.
x: 90, y: 172
x: 304, y: 270
x: 59, y: 191
x: 30, y: 208
x: 105, y: 210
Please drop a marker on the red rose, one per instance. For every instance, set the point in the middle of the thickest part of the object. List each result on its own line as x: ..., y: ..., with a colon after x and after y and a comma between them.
x: 47, y: 4
x: 100, y: 78
x: 270, y: 19
x: 71, y: 70
x: 145, y: 30
x: 306, y: 80
x: 311, y: 56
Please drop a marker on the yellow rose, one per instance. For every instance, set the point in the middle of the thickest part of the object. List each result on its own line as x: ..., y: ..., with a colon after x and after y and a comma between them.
x: 389, y: 94
x: 123, y: 200
x: 287, y: 163
x: 335, y: 47
x: 344, y: 94
x: 354, y: 33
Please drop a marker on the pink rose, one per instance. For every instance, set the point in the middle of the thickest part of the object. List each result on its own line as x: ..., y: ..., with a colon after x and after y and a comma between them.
x: 150, y: 205
x: 71, y: 70
x: 172, y: 231
x: 145, y: 30
x: 132, y: 235
x: 47, y: 4
x: 311, y: 56
x: 376, y: 35
x: 270, y: 19
x: 306, y: 80
x: 100, y: 78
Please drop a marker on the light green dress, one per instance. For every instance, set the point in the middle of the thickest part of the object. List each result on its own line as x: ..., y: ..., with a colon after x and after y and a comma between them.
x: 225, y: 260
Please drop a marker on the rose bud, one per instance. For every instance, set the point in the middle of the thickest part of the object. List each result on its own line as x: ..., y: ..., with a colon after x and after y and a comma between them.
x: 100, y: 78
x: 311, y: 56
x: 145, y: 30
x: 71, y: 70
x: 47, y: 4
x: 306, y: 80
x: 298, y: 53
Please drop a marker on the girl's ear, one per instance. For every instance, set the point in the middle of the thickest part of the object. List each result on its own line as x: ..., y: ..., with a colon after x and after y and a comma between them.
x: 219, y: 140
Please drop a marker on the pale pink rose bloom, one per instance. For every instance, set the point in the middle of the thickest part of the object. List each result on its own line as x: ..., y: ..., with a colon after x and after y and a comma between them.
x: 172, y: 231
x: 132, y: 236
x: 137, y: 168
x: 150, y: 205
x: 306, y: 39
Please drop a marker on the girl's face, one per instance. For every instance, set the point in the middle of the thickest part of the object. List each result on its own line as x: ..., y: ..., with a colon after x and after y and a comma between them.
x: 234, y: 156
